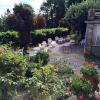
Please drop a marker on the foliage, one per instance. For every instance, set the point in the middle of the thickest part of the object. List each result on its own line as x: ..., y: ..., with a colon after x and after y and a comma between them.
x: 44, y: 84
x: 62, y: 22
x: 12, y: 61
x: 45, y: 73
x: 51, y: 31
x: 31, y: 67
x: 70, y: 2
x: 63, y: 68
x: 41, y: 57
x: 9, y: 36
x: 3, y: 26
x: 43, y: 34
x: 91, y: 71
x: 39, y: 22
x: 81, y: 87
x: 76, y: 36
x: 7, y: 87
x: 37, y: 36
x: 11, y: 83
x: 77, y: 14
x: 52, y: 85
x: 54, y: 10
x: 22, y: 21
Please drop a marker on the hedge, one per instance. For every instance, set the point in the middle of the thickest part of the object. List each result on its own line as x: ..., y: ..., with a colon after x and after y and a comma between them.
x: 43, y: 34
x: 37, y: 36
x: 6, y: 37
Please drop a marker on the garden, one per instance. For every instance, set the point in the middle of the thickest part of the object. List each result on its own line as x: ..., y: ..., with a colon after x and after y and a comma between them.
x: 42, y: 56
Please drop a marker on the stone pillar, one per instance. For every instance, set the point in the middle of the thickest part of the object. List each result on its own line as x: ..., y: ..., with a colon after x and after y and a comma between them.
x: 88, y: 38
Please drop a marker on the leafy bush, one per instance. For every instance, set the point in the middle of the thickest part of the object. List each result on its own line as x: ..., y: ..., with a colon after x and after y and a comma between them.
x: 43, y: 34
x: 41, y: 57
x: 11, y: 83
x: 91, y: 71
x: 37, y: 36
x: 77, y: 14
x: 81, y: 87
x: 6, y: 37
x: 51, y: 86
x: 31, y: 67
x: 50, y: 31
x: 44, y: 85
x: 12, y: 61
x: 64, y: 69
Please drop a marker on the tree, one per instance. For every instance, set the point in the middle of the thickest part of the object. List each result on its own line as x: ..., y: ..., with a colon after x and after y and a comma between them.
x: 77, y: 14
x: 3, y: 26
x: 39, y: 21
x: 70, y: 2
x: 22, y: 21
x: 54, y: 11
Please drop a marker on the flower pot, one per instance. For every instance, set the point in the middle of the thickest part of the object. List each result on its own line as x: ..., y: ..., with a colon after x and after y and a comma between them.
x: 81, y: 97
x: 95, y: 86
x: 97, y: 97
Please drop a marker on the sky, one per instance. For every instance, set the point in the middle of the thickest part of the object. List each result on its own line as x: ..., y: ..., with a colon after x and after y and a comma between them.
x: 5, y: 4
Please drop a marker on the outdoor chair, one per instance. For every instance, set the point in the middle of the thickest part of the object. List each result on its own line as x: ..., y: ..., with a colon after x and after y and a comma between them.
x: 61, y: 40
x: 67, y: 39
x: 56, y: 38
x: 44, y: 44
x: 53, y: 43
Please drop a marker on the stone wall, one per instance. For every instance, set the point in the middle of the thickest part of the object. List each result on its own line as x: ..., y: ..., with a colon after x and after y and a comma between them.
x: 88, y: 39
x: 93, y: 19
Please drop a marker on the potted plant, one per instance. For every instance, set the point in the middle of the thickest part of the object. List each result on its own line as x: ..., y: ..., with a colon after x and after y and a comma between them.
x: 91, y: 74
x: 81, y: 88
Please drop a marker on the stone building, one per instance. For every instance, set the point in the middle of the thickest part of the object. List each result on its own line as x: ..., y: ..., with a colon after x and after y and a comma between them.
x: 92, y: 36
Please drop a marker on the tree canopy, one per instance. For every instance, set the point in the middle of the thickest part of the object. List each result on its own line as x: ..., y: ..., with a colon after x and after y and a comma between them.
x: 22, y: 21
x: 54, y: 11
x: 70, y: 2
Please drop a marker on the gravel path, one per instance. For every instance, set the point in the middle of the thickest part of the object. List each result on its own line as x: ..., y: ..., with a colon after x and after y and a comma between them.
x: 74, y: 56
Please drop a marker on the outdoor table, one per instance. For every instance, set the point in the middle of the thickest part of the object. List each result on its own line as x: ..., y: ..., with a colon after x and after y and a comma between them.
x: 60, y: 41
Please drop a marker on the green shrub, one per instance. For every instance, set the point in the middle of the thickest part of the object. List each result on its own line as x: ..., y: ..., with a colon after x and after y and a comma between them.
x: 64, y: 68
x: 77, y: 14
x: 44, y: 85
x: 51, y: 85
x: 51, y: 31
x: 90, y: 71
x: 81, y: 87
x: 6, y: 37
x: 41, y: 57
x: 43, y: 34
x: 12, y: 61
x: 37, y: 36
x: 31, y: 67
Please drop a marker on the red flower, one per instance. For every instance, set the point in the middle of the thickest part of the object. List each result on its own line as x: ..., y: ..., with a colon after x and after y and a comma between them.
x: 89, y: 64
